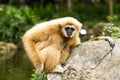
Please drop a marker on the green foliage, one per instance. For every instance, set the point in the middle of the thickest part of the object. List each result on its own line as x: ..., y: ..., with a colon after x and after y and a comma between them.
x: 111, y: 30
x: 14, y: 22
x: 42, y: 77
x: 44, y: 13
x: 89, y: 14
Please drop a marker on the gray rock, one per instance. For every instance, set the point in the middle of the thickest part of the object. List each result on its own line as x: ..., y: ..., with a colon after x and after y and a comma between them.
x: 7, y: 50
x: 81, y: 65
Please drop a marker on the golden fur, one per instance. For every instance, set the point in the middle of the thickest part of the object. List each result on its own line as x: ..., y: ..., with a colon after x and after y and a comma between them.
x: 47, y: 46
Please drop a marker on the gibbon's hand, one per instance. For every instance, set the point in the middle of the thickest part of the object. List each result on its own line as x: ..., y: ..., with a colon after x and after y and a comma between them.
x: 110, y: 40
x: 106, y: 38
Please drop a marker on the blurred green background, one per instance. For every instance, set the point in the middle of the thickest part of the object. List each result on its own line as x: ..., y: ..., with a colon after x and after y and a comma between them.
x: 17, y: 16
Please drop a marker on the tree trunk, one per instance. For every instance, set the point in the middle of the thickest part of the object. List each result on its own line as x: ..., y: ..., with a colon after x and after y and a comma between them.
x: 111, y: 7
x: 69, y: 5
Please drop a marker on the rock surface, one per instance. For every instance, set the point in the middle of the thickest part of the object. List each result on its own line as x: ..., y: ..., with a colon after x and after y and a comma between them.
x: 84, y: 58
x: 7, y: 50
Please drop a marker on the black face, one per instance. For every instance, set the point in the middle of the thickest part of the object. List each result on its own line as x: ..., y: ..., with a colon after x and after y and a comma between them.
x: 69, y: 30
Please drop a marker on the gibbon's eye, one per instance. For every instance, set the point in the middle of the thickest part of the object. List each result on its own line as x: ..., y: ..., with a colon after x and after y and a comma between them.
x: 72, y: 29
x: 67, y: 28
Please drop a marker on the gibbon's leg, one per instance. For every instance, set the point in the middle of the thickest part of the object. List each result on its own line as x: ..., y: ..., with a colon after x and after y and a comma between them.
x: 62, y: 57
x: 40, y: 49
x: 52, y: 63
x: 52, y: 58
x: 65, y: 53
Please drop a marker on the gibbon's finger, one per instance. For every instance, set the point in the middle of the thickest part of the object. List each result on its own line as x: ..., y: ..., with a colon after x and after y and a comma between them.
x: 109, y: 39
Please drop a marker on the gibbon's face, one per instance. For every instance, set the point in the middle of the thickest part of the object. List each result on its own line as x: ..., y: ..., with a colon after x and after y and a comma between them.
x: 68, y: 31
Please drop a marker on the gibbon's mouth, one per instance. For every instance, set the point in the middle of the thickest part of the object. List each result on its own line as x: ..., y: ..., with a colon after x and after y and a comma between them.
x: 69, y: 34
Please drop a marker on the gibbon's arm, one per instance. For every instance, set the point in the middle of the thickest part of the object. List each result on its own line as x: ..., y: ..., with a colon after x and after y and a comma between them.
x: 74, y: 41
x: 106, y: 38
x: 29, y: 41
x: 77, y: 40
x: 65, y: 53
x: 66, y: 50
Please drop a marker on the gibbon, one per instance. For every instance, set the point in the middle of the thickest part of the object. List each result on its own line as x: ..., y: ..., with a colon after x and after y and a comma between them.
x: 48, y: 44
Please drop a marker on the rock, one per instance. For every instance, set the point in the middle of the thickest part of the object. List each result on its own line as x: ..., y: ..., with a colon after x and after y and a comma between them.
x: 7, y: 50
x: 84, y: 58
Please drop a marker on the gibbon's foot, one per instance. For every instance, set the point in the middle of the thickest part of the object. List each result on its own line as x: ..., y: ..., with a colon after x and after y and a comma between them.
x: 39, y: 70
x: 58, y: 69
x: 63, y: 64
x: 109, y: 39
